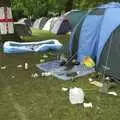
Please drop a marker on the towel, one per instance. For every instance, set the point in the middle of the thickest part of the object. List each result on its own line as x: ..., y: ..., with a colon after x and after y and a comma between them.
x: 6, y: 21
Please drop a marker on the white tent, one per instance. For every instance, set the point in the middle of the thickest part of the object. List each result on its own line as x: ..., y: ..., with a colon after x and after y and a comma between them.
x: 49, y: 25
x: 61, y: 26
x: 39, y: 23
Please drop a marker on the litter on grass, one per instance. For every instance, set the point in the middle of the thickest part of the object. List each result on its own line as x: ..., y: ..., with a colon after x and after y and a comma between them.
x: 19, y: 66
x: 76, y: 95
x: 45, y: 56
x: 26, y: 65
x: 12, y: 76
x: 112, y: 93
x: 3, y: 67
x: 45, y: 74
x: 64, y: 89
x: 87, y: 105
x: 107, y: 78
x: 90, y: 79
x: 35, y: 75
x: 96, y: 83
x: 42, y: 60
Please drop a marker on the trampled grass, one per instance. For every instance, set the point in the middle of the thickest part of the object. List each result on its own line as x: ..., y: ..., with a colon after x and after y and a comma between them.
x: 25, y: 98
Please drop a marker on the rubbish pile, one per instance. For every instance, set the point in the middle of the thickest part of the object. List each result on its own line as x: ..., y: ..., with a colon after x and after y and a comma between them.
x: 77, y: 96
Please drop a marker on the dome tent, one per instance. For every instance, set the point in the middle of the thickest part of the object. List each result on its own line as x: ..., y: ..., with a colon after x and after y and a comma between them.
x: 97, y: 35
x: 74, y: 17
x: 57, y: 25
x: 61, y: 26
x: 39, y: 23
x: 49, y: 24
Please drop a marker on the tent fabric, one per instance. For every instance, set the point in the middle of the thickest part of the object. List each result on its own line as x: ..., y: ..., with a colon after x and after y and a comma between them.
x: 61, y: 26
x: 49, y: 24
x: 110, y: 5
x: 110, y: 23
x: 96, y: 30
x: 74, y: 17
x: 39, y: 23
x: 110, y: 57
x: 74, y: 39
x: 87, y: 45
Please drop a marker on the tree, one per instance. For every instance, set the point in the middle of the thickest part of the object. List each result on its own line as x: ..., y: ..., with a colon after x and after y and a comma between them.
x: 69, y: 5
x: 39, y: 8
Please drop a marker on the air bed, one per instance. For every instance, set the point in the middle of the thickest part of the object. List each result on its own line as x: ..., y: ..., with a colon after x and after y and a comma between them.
x: 21, y: 47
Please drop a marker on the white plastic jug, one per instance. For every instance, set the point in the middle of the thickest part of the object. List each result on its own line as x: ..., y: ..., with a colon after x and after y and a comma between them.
x: 76, y: 95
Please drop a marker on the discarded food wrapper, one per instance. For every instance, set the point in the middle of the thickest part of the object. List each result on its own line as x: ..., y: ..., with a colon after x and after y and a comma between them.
x: 76, y: 95
x: 42, y: 74
x: 45, y: 56
x: 112, y: 93
x: 62, y: 57
x: 35, y: 75
x: 96, y: 83
x: 45, y: 74
x: 90, y: 79
x: 42, y: 60
x: 64, y: 89
x: 3, y: 67
x: 12, y: 76
x: 19, y: 66
x: 26, y: 65
x: 87, y: 105
x: 107, y: 78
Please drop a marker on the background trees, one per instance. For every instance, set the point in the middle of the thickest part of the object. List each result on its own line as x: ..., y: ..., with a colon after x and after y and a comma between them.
x: 38, y: 8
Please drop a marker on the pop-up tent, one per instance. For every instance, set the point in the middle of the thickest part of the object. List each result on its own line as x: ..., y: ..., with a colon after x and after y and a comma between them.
x: 39, y: 23
x: 49, y: 24
x: 97, y: 35
x: 61, y: 26
x: 58, y: 25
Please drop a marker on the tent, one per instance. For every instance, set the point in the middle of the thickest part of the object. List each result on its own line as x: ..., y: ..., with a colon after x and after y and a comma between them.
x: 25, y: 21
x: 97, y: 35
x: 22, y: 29
x: 49, y: 24
x: 39, y: 23
x: 74, y: 17
x: 58, y: 25
x: 61, y: 26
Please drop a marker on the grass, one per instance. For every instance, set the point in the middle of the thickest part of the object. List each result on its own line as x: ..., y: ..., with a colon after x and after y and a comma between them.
x: 27, y: 98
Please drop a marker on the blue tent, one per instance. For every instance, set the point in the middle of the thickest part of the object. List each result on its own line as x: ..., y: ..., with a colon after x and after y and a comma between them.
x: 94, y: 30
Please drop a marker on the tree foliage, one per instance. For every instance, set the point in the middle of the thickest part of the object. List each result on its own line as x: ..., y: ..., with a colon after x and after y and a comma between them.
x: 38, y: 8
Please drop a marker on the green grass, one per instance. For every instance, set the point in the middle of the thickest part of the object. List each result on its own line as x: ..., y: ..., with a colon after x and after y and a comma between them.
x: 27, y: 98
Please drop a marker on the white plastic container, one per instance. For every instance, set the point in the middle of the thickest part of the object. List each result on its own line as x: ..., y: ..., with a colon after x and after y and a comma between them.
x: 76, y: 95
x: 26, y: 65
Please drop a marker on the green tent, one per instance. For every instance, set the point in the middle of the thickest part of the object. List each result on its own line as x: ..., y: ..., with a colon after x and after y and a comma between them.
x: 74, y: 17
